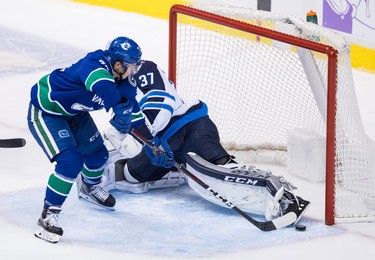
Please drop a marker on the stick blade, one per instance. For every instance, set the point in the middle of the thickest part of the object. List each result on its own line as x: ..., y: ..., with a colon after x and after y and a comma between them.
x: 12, y: 143
x: 285, y: 220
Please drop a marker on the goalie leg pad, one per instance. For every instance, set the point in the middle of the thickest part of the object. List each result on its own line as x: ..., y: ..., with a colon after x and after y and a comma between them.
x: 273, y: 209
x: 169, y: 180
x: 252, y: 190
x: 244, y: 191
x: 113, y: 171
x: 116, y: 176
x: 275, y: 188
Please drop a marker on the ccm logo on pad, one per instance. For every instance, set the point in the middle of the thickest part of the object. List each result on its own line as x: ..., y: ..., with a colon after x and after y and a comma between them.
x: 240, y: 180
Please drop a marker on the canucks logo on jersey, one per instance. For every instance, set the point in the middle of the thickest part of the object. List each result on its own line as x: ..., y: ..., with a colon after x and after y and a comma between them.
x: 64, y: 133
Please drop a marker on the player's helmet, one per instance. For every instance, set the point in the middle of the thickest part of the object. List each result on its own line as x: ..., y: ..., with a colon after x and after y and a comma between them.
x: 125, y: 50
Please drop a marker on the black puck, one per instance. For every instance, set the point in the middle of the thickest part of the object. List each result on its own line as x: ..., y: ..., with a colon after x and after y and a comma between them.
x: 300, y: 227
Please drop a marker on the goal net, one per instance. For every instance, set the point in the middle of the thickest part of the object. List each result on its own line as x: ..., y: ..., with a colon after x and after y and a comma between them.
x: 263, y: 74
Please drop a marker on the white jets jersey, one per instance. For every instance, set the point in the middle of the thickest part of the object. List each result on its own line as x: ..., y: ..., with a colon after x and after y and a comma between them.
x: 157, y: 97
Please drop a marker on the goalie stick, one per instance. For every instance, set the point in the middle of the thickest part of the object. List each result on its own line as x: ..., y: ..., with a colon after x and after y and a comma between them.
x: 12, y: 143
x: 270, y: 225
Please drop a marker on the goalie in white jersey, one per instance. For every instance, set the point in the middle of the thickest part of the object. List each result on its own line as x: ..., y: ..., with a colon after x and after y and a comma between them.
x: 181, y: 127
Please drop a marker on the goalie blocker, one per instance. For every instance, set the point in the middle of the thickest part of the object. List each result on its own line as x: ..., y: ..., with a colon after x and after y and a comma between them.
x: 250, y: 189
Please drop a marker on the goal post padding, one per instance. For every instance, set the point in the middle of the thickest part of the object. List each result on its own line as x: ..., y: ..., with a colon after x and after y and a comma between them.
x: 263, y: 74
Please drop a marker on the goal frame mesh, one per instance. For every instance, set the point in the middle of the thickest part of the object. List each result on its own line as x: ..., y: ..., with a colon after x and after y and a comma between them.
x: 330, y: 52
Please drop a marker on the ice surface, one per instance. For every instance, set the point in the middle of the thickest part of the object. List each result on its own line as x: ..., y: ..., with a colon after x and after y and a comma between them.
x: 175, y: 223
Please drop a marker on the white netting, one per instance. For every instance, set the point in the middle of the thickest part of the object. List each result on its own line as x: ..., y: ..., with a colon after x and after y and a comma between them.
x: 256, y: 89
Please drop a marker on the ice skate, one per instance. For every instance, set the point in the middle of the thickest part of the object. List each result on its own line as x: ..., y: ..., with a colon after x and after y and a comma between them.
x: 47, y: 226
x: 95, y: 194
x: 291, y: 203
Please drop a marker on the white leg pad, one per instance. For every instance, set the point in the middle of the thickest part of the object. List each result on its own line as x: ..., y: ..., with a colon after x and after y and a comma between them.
x: 272, y: 209
x: 248, y: 198
x: 130, y: 184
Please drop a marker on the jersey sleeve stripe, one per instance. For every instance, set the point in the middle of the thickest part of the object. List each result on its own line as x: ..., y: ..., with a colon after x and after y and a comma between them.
x: 96, y: 76
x: 137, y: 116
x: 156, y: 93
x: 45, y: 100
x: 157, y: 106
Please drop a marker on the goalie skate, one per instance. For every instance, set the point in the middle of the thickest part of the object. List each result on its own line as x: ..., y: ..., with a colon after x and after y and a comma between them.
x: 296, y: 204
x: 47, y: 227
x: 95, y: 194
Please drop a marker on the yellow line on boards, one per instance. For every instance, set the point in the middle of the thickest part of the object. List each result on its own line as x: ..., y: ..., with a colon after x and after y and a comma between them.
x: 361, y: 57
x: 153, y: 8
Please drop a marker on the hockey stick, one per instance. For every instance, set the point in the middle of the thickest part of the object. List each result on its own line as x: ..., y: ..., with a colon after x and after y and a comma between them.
x: 12, y: 143
x: 274, y: 224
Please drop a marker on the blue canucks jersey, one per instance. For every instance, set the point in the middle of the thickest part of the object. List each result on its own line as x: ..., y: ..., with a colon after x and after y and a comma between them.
x: 87, y: 85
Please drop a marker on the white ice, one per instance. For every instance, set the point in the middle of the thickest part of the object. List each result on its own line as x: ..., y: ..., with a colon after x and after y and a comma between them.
x: 39, y: 35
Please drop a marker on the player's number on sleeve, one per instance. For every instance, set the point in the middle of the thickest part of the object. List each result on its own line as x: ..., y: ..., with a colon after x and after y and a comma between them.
x: 147, y: 79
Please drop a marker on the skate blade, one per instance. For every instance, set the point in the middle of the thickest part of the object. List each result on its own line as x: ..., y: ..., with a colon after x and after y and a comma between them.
x: 91, y: 200
x: 46, y: 236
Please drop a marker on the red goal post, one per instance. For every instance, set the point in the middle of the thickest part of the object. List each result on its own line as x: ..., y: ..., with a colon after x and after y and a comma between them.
x: 201, y: 29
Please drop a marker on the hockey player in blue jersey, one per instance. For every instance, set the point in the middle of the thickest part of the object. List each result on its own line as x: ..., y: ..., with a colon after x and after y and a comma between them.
x: 59, y: 119
x: 186, y: 133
